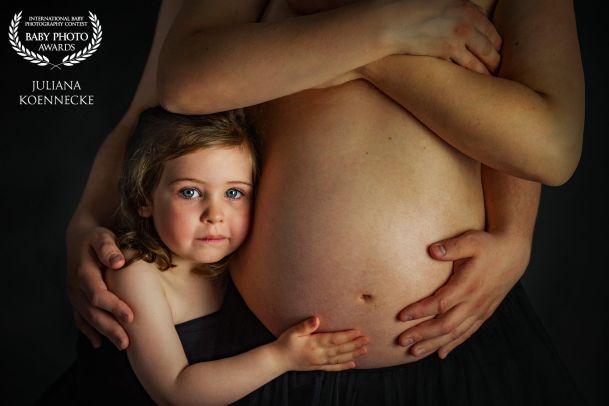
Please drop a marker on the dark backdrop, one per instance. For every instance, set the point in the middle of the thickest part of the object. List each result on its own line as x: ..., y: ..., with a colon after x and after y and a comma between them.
x: 47, y: 152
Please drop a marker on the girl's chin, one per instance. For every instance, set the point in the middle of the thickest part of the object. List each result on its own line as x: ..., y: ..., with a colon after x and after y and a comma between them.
x: 207, y: 258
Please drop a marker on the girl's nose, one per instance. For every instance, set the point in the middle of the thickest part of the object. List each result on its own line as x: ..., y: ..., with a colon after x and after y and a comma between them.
x: 213, y: 214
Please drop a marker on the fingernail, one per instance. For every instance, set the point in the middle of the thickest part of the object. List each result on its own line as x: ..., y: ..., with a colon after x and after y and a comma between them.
x: 114, y: 258
x: 125, y: 317
x: 439, y: 250
x: 408, y: 341
x: 406, y: 317
x: 119, y: 344
x: 420, y: 351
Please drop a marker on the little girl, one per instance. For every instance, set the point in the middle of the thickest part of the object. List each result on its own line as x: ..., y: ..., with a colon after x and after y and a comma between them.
x: 187, y: 191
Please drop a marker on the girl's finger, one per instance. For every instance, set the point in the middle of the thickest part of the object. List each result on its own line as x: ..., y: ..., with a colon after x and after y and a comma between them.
x: 338, y: 337
x: 351, y: 346
x: 350, y: 356
x: 337, y: 367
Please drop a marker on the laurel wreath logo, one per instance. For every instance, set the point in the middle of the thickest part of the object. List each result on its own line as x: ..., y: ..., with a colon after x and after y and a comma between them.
x: 42, y: 60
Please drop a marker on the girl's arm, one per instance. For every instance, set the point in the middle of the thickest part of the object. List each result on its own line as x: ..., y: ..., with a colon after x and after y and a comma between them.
x: 528, y: 122
x: 157, y: 357
x: 217, y: 57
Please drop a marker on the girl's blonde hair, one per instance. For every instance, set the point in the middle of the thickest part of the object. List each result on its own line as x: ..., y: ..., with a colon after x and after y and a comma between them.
x: 161, y: 136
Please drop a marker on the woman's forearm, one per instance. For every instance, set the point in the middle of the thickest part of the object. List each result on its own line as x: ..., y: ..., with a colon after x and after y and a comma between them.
x: 100, y: 197
x: 499, y: 122
x: 209, y: 65
x: 511, y: 206
x: 529, y: 121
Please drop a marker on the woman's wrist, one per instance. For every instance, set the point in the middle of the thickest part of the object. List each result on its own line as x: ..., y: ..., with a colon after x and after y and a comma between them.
x: 78, y: 225
x: 378, y: 20
x: 518, y: 244
x: 386, y: 34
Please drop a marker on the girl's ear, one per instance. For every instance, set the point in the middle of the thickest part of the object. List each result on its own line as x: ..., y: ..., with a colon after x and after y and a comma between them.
x: 145, y: 211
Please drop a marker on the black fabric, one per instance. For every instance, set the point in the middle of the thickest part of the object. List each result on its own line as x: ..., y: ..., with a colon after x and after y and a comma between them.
x: 104, y: 376
x: 509, y: 361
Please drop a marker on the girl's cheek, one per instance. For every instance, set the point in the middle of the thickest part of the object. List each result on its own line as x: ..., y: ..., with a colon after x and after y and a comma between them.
x: 170, y: 215
x: 245, y: 224
x: 174, y: 218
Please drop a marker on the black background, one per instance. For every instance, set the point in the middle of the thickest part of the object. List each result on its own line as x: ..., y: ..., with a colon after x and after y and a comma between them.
x: 46, y: 153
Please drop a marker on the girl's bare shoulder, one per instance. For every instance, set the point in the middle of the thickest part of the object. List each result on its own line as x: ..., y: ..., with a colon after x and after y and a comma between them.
x: 137, y: 276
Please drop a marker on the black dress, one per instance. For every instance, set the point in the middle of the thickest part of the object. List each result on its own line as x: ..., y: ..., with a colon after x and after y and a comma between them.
x: 509, y: 361
x: 104, y: 376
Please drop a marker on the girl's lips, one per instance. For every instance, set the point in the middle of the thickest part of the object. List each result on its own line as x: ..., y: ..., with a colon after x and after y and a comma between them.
x: 212, y: 238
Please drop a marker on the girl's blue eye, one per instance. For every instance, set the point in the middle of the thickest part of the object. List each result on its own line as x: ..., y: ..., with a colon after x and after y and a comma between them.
x: 190, y: 193
x: 233, y: 193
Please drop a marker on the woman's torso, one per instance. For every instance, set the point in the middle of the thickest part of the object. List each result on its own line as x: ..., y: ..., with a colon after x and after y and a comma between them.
x: 352, y: 192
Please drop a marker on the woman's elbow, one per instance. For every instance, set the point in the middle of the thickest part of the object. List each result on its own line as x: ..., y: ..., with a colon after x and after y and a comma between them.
x: 178, y: 97
x: 558, y: 177
x: 564, y: 133
x: 562, y: 161
x: 181, y: 93
x: 175, y: 104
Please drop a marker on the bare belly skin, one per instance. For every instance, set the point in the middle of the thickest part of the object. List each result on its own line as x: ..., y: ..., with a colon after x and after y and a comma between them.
x: 352, y: 192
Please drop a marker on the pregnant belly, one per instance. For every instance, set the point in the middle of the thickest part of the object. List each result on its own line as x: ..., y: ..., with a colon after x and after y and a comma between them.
x: 353, y: 191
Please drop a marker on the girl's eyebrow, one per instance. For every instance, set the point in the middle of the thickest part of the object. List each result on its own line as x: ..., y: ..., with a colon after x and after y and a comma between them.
x: 187, y: 180
x: 238, y: 182
x: 202, y: 182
